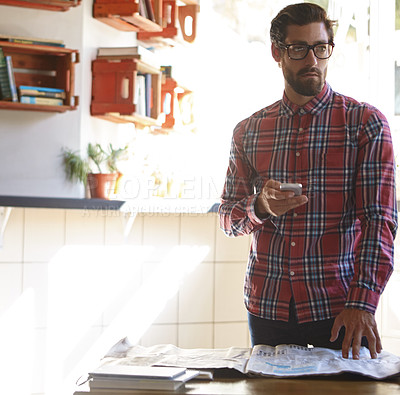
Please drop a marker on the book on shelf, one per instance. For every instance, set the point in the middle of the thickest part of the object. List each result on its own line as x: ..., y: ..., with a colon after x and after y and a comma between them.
x: 5, y: 91
x: 124, y: 51
x: 31, y: 40
x: 11, y: 79
x: 48, y: 101
x: 149, y: 10
x: 140, y: 377
x: 40, y: 91
x: 140, y: 95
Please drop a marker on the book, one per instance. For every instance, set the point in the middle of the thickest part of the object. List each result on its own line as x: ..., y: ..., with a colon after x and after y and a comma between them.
x: 5, y: 92
x: 143, y: 9
x: 148, y: 94
x: 140, y: 95
x: 123, y: 51
x: 11, y: 79
x: 154, y: 383
x: 150, y: 11
x: 41, y: 91
x: 41, y: 100
x: 31, y: 40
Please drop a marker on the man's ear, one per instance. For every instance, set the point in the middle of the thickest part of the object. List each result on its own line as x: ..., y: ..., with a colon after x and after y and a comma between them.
x: 276, y: 53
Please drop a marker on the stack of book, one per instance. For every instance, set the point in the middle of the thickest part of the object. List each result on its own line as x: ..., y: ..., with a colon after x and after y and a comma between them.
x: 41, y: 95
x: 140, y: 377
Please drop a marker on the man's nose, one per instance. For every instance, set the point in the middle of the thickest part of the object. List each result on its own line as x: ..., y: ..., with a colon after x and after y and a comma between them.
x: 311, y: 59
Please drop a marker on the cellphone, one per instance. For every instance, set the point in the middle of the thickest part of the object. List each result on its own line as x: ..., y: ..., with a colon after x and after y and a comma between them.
x: 296, y: 188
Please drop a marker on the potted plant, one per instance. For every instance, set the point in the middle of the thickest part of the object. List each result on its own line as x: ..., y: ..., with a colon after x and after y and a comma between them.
x: 99, y: 170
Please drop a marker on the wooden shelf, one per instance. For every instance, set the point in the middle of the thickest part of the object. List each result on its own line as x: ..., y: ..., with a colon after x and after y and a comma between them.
x: 49, y: 5
x: 174, y: 23
x: 7, y: 105
x: 114, y: 91
x: 43, y: 65
x: 125, y: 16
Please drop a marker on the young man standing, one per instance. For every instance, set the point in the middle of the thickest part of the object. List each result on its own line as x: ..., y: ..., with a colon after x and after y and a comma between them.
x: 319, y: 261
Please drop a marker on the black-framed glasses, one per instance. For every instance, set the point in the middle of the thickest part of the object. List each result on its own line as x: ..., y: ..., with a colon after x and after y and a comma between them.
x: 300, y: 51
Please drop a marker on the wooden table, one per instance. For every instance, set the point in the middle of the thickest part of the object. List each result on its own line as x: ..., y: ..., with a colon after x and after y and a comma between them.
x: 322, y: 385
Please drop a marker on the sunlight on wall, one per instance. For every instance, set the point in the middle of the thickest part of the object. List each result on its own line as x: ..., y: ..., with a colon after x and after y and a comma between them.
x: 17, y: 345
x: 98, y: 295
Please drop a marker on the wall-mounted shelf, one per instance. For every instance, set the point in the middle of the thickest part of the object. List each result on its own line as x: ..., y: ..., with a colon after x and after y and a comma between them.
x: 172, y: 95
x: 49, y: 5
x: 115, y: 91
x: 42, y: 65
x: 124, y: 15
x: 179, y: 24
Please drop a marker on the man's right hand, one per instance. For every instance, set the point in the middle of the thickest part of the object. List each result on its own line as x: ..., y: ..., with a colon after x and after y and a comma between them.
x: 273, y: 201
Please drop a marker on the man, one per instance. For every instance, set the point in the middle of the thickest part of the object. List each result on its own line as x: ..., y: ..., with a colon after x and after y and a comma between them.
x: 319, y: 261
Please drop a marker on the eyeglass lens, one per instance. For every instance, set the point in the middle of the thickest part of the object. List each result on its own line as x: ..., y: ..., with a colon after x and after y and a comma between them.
x: 299, y: 51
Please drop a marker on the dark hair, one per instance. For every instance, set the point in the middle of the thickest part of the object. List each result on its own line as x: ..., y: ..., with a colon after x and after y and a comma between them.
x: 298, y: 14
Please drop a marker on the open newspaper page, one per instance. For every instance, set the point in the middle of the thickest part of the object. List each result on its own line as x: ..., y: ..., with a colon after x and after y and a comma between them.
x: 292, y: 360
x: 170, y: 355
x: 280, y: 361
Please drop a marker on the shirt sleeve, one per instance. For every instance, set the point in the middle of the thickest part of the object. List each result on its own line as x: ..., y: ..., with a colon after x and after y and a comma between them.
x: 237, y: 210
x: 376, y: 211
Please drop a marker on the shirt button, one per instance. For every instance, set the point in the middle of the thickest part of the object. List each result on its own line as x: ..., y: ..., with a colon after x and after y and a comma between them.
x: 292, y: 273
x: 297, y: 154
x: 301, y: 129
x: 295, y: 215
x: 292, y: 243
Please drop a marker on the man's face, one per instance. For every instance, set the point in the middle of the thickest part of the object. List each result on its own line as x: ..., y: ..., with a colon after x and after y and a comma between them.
x: 305, y: 77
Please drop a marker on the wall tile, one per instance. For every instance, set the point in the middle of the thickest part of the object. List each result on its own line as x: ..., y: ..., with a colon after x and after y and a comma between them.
x: 10, y: 284
x: 195, y: 336
x: 116, y: 226
x: 199, y: 230
x: 168, y: 313
x: 161, y: 232
x: 35, y: 276
x: 196, y: 296
x: 231, y: 249
x: 160, y: 334
x: 232, y: 334
x: 38, y: 369
x: 229, y: 305
x: 123, y: 282
x: 391, y: 344
x: 12, y: 250
x: 44, y: 233
x: 390, y: 307
x: 85, y: 227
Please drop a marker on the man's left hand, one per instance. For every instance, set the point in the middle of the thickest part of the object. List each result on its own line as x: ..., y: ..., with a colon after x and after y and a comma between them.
x: 357, y: 323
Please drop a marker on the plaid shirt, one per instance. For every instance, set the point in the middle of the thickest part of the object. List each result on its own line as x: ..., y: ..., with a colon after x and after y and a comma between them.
x: 335, y: 251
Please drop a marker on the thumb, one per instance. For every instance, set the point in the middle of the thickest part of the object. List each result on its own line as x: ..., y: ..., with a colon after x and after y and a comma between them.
x: 335, y: 329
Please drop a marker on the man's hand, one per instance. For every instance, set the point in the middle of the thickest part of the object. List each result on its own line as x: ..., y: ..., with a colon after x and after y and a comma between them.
x: 357, y: 323
x: 276, y: 202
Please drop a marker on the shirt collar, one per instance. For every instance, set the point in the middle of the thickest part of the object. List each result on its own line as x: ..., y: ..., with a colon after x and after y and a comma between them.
x: 314, y: 106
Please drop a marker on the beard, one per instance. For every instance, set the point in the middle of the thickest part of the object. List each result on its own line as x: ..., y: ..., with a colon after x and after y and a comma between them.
x: 308, y: 86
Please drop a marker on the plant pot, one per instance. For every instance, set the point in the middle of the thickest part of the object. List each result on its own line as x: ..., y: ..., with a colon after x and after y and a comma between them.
x: 102, y: 186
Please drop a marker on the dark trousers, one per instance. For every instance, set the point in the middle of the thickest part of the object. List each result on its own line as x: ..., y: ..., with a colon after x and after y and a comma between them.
x: 318, y: 333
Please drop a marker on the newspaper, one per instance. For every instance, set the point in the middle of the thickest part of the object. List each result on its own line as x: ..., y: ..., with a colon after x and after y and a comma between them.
x: 280, y: 361
x: 292, y: 361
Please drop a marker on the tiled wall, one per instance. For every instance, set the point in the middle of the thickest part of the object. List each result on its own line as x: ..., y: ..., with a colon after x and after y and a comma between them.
x: 72, y: 285
x: 88, y: 285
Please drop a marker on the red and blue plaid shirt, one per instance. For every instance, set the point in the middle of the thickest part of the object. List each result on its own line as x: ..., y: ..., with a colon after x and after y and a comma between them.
x: 335, y: 251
